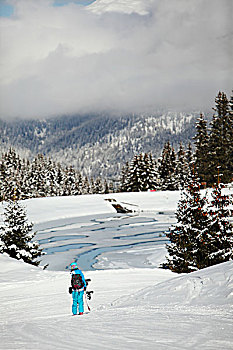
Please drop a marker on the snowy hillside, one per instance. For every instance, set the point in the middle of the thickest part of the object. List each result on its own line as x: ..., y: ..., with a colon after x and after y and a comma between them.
x: 135, y: 304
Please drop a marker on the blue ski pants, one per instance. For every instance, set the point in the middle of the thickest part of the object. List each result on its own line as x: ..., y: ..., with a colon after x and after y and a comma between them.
x: 77, y: 299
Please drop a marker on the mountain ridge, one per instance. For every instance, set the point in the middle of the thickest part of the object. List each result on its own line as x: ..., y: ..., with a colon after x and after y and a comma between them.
x: 98, y: 144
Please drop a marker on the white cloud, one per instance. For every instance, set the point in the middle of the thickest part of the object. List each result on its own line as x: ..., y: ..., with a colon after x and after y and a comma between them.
x: 167, y: 53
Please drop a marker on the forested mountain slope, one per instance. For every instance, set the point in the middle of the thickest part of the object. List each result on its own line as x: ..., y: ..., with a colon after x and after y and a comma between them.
x: 97, y: 144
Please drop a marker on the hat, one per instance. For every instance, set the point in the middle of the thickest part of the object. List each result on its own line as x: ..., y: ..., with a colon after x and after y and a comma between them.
x: 73, y: 266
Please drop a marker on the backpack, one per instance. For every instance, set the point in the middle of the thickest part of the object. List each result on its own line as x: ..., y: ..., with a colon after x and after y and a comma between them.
x: 77, y: 281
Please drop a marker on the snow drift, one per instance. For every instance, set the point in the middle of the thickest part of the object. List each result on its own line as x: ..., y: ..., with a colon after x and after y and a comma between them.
x: 210, y: 286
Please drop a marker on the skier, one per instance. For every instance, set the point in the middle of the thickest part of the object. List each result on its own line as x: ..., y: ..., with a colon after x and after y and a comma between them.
x: 78, y: 286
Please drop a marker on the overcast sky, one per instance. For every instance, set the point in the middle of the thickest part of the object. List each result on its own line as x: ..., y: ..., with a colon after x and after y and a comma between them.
x: 114, y: 55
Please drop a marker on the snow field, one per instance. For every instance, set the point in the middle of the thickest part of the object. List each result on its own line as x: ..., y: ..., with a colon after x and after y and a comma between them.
x: 131, y: 308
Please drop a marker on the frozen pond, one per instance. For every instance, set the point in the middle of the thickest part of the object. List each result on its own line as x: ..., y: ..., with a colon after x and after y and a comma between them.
x: 59, y: 238
x: 90, y: 238
x: 66, y: 247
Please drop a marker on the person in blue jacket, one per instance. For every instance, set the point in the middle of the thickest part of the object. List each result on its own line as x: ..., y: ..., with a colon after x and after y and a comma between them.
x: 78, y: 286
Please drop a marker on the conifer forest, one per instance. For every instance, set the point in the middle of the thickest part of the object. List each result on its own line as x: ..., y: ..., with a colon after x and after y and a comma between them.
x: 209, y: 155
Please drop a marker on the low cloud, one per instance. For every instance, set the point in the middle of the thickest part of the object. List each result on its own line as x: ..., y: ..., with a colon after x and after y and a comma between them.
x: 74, y: 59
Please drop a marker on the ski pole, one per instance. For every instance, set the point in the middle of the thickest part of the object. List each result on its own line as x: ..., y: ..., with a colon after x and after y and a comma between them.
x: 89, y: 309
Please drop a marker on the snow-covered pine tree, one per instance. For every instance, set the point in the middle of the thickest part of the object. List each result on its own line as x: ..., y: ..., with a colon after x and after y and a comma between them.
x: 92, y: 186
x: 221, y: 141
x: 24, y: 180
x: 149, y: 174
x: 189, y: 156
x: 111, y: 187
x: 11, y: 175
x: 182, y: 171
x: 124, y: 177
x: 230, y: 132
x: 133, y: 180
x: 16, y: 235
x: 141, y: 172
x: 60, y: 178
x: 86, y: 186
x: 99, y: 187
x: 51, y: 181
x: 141, y: 175
x: 166, y: 168
x: 79, y: 183
x: 70, y: 186
x: 3, y: 180
x: 220, y: 232
x: 154, y: 175
x: 188, y: 250
x: 106, y: 187
x: 201, y: 152
x: 38, y: 176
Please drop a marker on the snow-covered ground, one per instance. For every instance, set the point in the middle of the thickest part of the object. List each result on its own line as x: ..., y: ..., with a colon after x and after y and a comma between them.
x: 88, y: 228
x: 135, y: 304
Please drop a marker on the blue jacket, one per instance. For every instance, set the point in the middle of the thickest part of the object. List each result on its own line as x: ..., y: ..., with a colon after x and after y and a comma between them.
x: 79, y: 272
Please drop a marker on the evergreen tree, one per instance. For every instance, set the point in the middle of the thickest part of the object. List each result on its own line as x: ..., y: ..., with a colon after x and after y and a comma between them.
x: 98, y: 187
x: 220, y: 233
x: 201, y: 153
x: 134, y: 180
x: 24, y: 183
x: 92, y: 186
x: 149, y: 174
x: 230, y: 136
x: 51, y: 174
x: 86, y: 186
x: 79, y: 183
x: 60, y: 178
x: 189, y: 156
x: 140, y: 175
x: 38, y: 176
x: 16, y: 235
x: 142, y: 172
x: 182, y: 172
x: 10, y: 168
x: 124, y: 177
x: 70, y: 185
x: 221, y: 141
x: 111, y: 187
x: 166, y: 168
x: 106, y: 187
x: 3, y: 181
x: 188, y: 250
